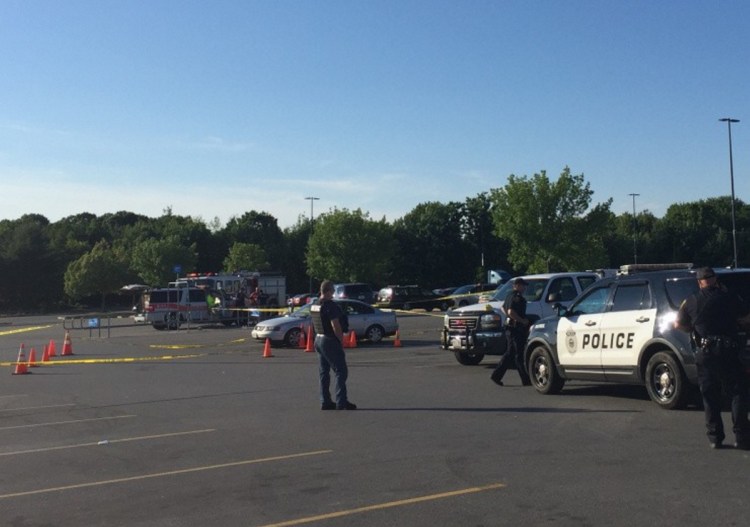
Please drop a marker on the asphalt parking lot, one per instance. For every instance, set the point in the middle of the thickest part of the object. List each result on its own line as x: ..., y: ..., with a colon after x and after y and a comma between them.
x: 196, y: 427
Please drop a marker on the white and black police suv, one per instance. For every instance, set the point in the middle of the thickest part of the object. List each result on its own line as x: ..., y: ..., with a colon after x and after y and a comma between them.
x: 620, y: 329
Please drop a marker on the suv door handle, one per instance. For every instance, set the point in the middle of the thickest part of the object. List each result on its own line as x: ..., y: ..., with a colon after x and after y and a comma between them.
x: 642, y: 319
x: 590, y: 323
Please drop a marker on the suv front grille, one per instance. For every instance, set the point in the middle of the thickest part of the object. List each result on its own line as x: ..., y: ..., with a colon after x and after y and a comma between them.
x: 462, y: 323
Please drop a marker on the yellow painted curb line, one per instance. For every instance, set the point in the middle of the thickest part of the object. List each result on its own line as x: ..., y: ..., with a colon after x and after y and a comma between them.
x: 24, y: 330
x: 107, y: 361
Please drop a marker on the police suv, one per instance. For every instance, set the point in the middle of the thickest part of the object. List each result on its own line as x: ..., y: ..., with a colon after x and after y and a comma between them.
x: 476, y: 330
x: 621, y: 330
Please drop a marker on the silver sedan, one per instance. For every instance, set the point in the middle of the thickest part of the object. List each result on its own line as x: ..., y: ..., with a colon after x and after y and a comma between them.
x: 369, y: 323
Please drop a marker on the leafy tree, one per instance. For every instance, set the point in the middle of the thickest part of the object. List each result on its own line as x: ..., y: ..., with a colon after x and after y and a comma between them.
x: 487, y: 250
x: 248, y: 256
x: 432, y: 250
x: 701, y: 232
x: 348, y: 246
x: 547, y: 223
x: 293, y: 266
x: 210, y: 249
x: 632, y: 238
x: 99, y: 272
x: 31, y: 276
x: 154, y: 260
x: 261, y: 229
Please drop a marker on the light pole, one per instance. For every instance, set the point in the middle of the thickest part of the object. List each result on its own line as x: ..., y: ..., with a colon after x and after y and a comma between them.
x: 312, y: 200
x: 635, y: 225
x: 729, y: 122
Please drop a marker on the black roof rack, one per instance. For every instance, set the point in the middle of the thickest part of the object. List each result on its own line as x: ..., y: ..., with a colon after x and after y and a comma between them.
x: 642, y: 268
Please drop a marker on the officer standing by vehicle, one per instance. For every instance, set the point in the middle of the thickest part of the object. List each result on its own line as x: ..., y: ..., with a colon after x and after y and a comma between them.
x: 516, y: 332
x: 712, y: 315
x: 330, y: 325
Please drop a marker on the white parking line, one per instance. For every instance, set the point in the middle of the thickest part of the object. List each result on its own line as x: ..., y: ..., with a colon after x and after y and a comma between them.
x: 108, y: 441
x: 66, y: 422
x: 162, y: 474
x: 36, y: 407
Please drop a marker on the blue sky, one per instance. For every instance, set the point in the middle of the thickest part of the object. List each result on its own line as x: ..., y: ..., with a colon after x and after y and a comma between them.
x: 215, y: 108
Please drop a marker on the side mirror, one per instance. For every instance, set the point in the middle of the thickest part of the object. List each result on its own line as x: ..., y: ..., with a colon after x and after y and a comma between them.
x: 560, y: 309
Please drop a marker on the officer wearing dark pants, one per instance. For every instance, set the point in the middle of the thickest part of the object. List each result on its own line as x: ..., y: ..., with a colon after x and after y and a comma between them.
x: 329, y: 323
x: 712, y: 316
x: 516, y: 333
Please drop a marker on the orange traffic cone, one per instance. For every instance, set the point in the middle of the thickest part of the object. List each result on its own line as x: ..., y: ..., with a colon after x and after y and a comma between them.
x: 21, y: 367
x: 302, y: 340
x: 267, y: 349
x: 32, y: 359
x: 353, y: 339
x: 45, y: 354
x: 67, y: 345
x: 309, y: 346
x: 397, y: 342
x: 51, y: 351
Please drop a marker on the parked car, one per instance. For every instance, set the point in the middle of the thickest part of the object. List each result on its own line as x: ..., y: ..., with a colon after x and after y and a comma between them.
x: 408, y: 297
x: 369, y: 323
x: 444, y: 291
x: 356, y: 291
x: 465, y: 295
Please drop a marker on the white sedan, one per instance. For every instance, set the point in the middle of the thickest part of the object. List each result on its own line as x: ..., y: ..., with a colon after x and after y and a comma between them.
x: 369, y: 323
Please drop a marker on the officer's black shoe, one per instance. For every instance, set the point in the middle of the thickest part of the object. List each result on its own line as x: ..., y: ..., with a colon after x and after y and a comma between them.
x: 347, y: 406
x: 716, y: 445
x: 742, y: 445
x: 328, y: 406
x: 496, y: 379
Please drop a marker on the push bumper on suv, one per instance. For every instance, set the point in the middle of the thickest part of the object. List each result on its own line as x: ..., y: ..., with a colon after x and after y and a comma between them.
x: 473, y: 334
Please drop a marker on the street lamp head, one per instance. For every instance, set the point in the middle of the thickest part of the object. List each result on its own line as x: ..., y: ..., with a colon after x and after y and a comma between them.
x: 729, y: 120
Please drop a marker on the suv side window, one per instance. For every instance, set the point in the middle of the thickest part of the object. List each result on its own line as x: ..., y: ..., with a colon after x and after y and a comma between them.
x: 594, y: 302
x: 631, y: 297
x: 678, y: 290
x: 562, y: 290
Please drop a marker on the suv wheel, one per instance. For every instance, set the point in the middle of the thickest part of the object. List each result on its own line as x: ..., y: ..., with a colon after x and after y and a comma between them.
x: 665, y: 382
x: 468, y: 359
x: 543, y: 373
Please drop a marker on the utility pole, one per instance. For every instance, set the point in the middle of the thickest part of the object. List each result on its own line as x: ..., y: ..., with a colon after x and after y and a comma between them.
x: 312, y: 200
x: 635, y: 231
x: 729, y: 122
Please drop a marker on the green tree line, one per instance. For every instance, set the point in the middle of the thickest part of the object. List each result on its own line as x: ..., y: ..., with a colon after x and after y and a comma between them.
x: 531, y: 224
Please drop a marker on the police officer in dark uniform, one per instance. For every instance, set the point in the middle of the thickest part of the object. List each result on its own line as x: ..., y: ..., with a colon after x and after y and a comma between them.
x: 330, y: 324
x: 516, y: 332
x: 711, y: 315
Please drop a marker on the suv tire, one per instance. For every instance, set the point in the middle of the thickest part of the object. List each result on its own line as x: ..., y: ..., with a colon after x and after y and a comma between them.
x: 468, y: 359
x: 665, y: 382
x: 543, y: 373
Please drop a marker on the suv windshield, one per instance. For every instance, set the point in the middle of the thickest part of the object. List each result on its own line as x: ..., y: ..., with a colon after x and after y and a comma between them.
x: 533, y: 293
